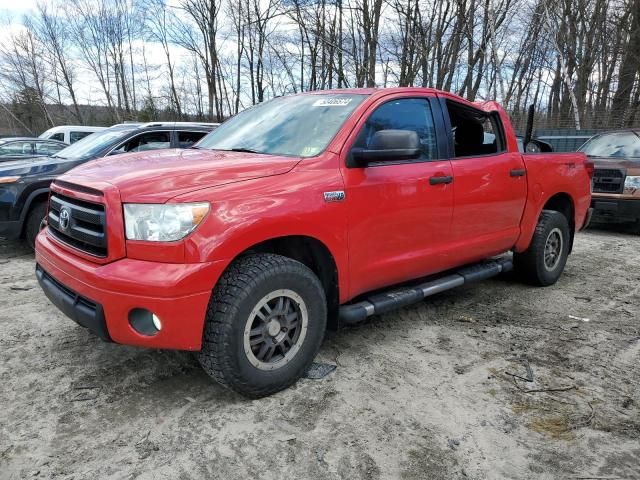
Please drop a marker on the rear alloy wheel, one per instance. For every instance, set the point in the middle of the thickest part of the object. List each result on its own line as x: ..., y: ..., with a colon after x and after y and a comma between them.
x: 543, y: 262
x: 553, y: 248
x: 264, y: 326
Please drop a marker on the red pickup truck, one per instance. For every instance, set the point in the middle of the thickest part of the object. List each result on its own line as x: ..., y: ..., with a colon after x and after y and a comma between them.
x: 299, y: 214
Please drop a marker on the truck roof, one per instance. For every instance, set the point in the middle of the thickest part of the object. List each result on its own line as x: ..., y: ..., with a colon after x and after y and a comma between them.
x: 392, y: 90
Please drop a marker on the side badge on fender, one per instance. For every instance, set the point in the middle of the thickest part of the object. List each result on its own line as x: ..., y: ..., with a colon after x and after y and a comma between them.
x: 337, y: 196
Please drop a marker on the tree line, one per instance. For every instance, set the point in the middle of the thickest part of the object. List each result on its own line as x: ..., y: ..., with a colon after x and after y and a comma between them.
x: 578, y: 61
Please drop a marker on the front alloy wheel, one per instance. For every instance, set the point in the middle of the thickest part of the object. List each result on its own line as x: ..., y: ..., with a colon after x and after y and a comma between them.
x: 275, y: 329
x: 264, y: 326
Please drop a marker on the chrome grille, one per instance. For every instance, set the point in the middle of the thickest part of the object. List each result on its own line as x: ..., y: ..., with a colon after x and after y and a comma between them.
x: 79, y: 224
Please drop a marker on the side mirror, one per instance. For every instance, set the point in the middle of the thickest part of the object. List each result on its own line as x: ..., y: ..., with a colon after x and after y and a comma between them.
x: 388, y: 146
x: 538, y: 146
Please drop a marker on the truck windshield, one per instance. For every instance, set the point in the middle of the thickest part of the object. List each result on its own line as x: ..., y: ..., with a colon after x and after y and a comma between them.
x: 618, y: 145
x: 91, y: 145
x: 299, y: 125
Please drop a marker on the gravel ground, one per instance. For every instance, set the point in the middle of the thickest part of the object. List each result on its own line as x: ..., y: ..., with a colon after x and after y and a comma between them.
x: 435, y: 391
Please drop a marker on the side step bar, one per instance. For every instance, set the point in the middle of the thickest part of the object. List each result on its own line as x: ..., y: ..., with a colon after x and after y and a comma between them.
x: 388, y: 301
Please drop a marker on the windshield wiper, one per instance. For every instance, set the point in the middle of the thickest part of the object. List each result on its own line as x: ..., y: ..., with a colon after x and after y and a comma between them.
x: 242, y: 149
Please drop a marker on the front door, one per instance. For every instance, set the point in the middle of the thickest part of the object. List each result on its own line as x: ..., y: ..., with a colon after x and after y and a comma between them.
x: 399, y: 212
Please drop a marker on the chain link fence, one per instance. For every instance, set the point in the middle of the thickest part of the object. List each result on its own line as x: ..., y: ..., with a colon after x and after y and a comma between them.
x: 560, y: 129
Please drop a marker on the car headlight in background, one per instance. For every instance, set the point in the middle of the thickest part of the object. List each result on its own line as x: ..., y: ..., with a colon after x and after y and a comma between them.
x: 632, y: 185
x: 9, y: 179
x: 162, y: 222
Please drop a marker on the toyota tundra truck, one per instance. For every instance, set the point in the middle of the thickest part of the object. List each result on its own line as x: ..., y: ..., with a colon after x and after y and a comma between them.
x: 300, y: 214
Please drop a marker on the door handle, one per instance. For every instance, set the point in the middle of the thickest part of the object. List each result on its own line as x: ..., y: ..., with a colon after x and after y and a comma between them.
x: 440, y: 179
x: 518, y: 172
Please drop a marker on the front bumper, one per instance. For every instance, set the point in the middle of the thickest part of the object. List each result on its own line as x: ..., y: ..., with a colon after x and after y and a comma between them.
x: 177, y: 293
x: 621, y: 210
x: 10, y: 230
x: 83, y: 311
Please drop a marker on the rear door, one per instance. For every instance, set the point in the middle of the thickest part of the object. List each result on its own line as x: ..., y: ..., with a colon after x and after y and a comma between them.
x: 399, y: 217
x: 490, y: 185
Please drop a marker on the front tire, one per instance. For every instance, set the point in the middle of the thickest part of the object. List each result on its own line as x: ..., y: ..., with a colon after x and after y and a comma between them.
x: 265, y: 323
x: 544, y: 261
x: 33, y: 223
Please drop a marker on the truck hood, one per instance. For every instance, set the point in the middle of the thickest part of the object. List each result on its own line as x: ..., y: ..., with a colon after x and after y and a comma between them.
x: 616, y: 162
x: 158, y: 176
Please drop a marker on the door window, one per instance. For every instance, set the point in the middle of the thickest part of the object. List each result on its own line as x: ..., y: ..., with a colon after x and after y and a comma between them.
x: 48, y: 148
x: 186, y: 139
x: 57, y: 136
x: 474, y: 132
x: 75, y: 136
x: 16, y: 149
x: 404, y: 114
x: 144, y: 142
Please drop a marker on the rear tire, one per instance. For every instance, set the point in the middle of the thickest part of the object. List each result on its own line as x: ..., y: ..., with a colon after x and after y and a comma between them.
x: 544, y: 261
x: 34, y: 221
x: 265, y: 323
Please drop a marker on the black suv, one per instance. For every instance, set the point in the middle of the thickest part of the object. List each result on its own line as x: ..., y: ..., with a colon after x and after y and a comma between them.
x: 24, y: 184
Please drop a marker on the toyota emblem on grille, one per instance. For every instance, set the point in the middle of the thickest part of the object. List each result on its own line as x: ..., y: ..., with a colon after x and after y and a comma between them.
x: 65, y: 216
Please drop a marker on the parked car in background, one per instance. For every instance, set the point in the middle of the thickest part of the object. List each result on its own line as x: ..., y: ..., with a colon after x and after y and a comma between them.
x: 15, y: 148
x: 24, y: 184
x: 616, y: 180
x: 299, y: 214
x: 70, y: 133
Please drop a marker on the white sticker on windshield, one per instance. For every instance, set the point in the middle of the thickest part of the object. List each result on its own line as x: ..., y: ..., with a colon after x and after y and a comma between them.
x: 332, y: 102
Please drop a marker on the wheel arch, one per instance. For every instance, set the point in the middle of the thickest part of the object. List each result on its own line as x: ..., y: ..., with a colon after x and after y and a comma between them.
x: 561, y: 202
x: 39, y: 195
x: 313, y: 253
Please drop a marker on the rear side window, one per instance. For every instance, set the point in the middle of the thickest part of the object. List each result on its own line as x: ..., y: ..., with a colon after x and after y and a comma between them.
x: 57, y: 136
x: 48, y: 148
x: 403, y: 114
x: 474, y: 132
x: 186, y: 139
x: 145, y: 142
x: 75, y: 136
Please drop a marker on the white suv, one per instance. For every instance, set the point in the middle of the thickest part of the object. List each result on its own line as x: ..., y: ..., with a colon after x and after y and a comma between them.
x: 69, y: 133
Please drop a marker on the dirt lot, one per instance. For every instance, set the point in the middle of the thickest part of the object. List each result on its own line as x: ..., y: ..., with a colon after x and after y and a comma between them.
x: 420, y: 394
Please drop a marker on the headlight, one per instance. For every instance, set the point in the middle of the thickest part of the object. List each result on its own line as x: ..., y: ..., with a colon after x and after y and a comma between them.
x: 162, y: 222
x: 9, y: 179
x: 632, y: 185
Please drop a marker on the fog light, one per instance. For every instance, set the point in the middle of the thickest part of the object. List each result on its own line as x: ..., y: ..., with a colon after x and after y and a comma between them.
x: 144, y: 322
x: 156, y: 322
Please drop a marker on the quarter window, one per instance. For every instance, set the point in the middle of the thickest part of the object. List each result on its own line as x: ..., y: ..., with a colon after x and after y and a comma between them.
x: 404, y: 114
